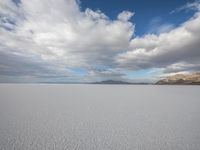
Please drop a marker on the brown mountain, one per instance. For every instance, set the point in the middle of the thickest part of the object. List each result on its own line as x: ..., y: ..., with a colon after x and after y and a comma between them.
x: 182, y: 79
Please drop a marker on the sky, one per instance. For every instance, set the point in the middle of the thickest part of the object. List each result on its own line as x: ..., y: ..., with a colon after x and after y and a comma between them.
x: 69, y: 41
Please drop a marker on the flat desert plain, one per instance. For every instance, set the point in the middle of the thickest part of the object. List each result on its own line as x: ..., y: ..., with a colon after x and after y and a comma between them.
x: 99, y: 117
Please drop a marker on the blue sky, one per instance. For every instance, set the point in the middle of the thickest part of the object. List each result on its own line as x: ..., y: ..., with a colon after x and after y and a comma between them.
x: 88, y: 41
x: 145, y: 11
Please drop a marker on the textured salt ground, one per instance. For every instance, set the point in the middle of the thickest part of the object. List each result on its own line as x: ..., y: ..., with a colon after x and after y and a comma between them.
x: 99, y: 117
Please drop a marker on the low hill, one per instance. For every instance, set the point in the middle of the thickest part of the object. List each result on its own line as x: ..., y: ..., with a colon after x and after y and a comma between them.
x: 111, y: 82
x: 182, y: 79
x: 119, y: 82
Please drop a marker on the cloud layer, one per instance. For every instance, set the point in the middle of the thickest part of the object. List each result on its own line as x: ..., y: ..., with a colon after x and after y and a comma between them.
x: 48, y: 41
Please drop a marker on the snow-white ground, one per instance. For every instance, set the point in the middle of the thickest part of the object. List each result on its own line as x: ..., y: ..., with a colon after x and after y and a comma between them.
x: 99, y: 117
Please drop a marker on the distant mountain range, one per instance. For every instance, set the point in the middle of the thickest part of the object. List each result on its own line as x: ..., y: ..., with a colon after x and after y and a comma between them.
x: 178, y: 79
x: 182, y: 79
x: 115, y: 82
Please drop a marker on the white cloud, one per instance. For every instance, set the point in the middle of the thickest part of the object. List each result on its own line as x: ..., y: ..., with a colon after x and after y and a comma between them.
x: 158, y: 26
x: 188, y: 6
x: 47, y: 38
x: 181, y: 44
x: 125, y: 15
x: 58, y: 32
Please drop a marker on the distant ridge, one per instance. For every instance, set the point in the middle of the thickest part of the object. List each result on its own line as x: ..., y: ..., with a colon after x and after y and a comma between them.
x: 181, y: 79
x: 115, y: 82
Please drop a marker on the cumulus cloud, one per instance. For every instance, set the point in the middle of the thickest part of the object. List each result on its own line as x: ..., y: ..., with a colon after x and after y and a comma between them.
x: 174, y: 48
x: 125, y: 15
x: 58, y: 34
x: 45, y: 40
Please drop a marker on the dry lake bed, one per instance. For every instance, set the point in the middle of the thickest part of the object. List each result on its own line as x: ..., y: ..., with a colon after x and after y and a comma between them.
x: 99, y: 117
